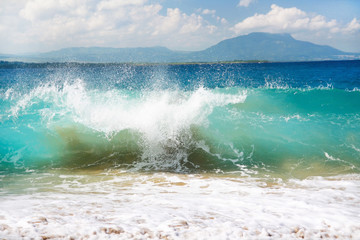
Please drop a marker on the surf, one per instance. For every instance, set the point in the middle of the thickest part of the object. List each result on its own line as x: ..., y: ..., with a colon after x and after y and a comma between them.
x: 70, y: 123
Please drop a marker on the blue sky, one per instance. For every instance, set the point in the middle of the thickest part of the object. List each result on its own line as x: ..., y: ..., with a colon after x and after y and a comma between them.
x: 342, y: 10
x: 39, y: 26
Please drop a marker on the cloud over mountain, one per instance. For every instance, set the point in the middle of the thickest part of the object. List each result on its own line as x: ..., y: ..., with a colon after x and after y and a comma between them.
x: 280, y: 19
x: 305, y: 26
x: 36, y: 25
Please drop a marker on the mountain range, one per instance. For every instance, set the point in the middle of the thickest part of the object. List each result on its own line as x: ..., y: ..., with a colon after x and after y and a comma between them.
x: 254, y: 46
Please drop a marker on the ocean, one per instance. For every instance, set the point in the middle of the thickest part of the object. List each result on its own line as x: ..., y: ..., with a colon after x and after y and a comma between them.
x: 180, y: 151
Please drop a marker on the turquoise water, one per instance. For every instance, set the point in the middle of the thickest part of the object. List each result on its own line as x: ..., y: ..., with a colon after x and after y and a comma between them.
x: 202, y: 151
x: 288, y: 119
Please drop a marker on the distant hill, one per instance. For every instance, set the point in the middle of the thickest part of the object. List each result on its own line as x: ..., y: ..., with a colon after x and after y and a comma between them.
x: 99, y: 54
x: 254, y: 46
x: 267, y: 46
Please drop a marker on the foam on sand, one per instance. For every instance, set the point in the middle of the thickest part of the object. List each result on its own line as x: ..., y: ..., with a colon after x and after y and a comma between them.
x: 173, y: 206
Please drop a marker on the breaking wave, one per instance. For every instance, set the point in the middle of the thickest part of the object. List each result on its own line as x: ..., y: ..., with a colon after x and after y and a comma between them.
x: 69, y: 125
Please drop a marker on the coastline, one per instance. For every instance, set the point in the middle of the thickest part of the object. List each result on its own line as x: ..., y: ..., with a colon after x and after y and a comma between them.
x: 80, y: 63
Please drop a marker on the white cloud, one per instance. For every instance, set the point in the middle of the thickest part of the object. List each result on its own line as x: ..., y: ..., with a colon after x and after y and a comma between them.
x: 208, y: 11
x: 45, y: 25
x: 289, y: 20
x: 42, y: 10
x: 245, y: 3
x: 113, y: 4
x: 353, y: 26
x: 221, y: 20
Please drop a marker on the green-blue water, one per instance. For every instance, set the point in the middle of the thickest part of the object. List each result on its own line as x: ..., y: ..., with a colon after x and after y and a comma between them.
x: 292, y: 119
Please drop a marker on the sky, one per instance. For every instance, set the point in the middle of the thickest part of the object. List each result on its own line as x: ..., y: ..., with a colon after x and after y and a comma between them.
x: 28, y: 26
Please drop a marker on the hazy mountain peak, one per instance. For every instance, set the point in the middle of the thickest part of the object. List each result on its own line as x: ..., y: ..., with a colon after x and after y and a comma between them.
x: 254, y: 46
x: 269, y: 46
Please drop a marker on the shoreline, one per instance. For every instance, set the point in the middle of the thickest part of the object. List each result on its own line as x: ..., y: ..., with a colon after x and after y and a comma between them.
x: 79, y: 63
x: 170, y: 206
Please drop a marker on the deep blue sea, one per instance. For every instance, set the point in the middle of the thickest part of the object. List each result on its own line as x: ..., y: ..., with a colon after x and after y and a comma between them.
x: 257, y: 135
